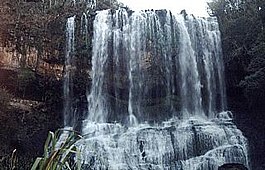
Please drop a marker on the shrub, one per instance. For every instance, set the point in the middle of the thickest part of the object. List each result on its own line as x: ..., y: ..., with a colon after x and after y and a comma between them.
x: 59, y: 152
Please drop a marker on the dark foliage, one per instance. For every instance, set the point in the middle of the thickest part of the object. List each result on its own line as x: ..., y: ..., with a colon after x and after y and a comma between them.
x: 5, y: 98
x: 243, y: 40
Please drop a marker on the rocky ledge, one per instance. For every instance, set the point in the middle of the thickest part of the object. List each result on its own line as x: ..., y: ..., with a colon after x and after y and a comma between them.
x: 192, y: 144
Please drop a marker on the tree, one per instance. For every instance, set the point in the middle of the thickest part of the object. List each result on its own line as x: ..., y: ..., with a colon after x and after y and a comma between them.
x: 241, y: 24
x: 243, y: 41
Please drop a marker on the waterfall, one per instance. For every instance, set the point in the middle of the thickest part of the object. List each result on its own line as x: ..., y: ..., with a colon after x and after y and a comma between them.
x: 98, y: 104
x: 205, y: 36
x: 191, y: 97
x: 157, y: 97
x: 151, y: 59
x: 67, y: 84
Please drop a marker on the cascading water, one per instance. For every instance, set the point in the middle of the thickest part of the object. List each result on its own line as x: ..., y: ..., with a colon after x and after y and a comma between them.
x: 155, y: 58
x: 68, y: 111
x: 98, y: 104
x: 67, y: 85
x: 161, y: 76
x: 205, y: 39
x: 191, y: 96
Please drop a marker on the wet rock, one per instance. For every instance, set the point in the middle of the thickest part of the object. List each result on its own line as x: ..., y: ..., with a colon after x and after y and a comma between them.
x: 194, y: 144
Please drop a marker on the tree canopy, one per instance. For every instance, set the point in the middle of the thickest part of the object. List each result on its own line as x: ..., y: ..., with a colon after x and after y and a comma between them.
x: 243, y: 37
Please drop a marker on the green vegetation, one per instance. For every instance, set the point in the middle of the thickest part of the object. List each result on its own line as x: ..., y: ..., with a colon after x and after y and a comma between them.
x: 60, y: 153
x: 243, y: 38
x: 13, y: 160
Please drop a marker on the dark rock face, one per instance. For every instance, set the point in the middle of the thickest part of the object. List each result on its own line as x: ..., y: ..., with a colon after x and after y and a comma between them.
x: 24, y: 123
x: 24, y: 126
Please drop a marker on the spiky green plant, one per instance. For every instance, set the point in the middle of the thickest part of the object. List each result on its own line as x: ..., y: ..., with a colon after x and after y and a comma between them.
x: 59, y: 153
x: 13, y: 160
